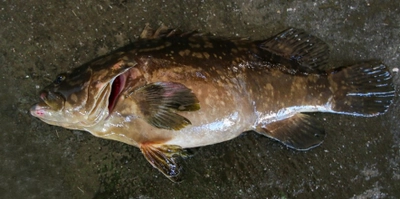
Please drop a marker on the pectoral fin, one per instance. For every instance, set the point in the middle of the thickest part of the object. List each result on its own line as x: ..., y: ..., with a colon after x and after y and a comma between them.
x: 300, y: 132
x: 165, y: 159
x: 159, y: 102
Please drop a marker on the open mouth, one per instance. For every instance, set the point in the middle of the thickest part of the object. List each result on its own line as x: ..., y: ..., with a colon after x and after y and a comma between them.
x: 117, y: 87
x: 51, y: 99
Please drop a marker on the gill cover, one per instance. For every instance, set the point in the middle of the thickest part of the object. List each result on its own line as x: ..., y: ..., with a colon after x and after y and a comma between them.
x: 80, y: 97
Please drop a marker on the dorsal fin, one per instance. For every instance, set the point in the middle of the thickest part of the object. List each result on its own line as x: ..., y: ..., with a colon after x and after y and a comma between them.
x: 162, y: 31
x: 296, y: 51
x: 165, y: 32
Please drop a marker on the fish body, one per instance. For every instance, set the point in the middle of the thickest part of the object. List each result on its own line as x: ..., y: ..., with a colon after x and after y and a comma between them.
x: 171, y: 90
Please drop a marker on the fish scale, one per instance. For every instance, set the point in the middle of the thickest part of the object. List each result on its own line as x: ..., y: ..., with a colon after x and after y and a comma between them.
x: 171, y: 90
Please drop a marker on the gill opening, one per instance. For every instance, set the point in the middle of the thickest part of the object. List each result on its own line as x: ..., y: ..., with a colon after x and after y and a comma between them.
x: 116, y: 88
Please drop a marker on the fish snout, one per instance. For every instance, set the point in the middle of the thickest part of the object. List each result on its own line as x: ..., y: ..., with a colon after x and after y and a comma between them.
x: 37, y: 110
x: 53, y: 100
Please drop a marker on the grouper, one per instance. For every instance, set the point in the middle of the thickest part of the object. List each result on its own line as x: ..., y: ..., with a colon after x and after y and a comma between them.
x: 171, y: 91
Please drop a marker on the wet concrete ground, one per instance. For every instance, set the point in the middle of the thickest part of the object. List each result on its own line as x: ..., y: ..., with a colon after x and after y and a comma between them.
x: 39, y: 39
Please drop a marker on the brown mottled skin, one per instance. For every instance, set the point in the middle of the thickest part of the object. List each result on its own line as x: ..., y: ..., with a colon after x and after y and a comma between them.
x: 232, y: 84
x: 188, y: 90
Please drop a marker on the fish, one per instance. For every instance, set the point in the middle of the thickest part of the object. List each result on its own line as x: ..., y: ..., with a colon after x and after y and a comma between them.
x: 171, y: 91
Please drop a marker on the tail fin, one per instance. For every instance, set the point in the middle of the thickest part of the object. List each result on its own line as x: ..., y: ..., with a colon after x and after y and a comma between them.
x: 365, y: 89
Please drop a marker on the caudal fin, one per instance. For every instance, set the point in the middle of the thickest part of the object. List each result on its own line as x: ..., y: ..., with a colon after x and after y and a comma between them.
x: 365, y: 89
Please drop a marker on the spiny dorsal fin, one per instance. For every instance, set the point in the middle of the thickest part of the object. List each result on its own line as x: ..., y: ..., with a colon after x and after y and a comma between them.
x: 300, y: 132
x: 296, y: 51
x: 158, y: 103
x: 150, y: 33
x: 165, y: 158
x: 165, y: 32
x: 162, y: 31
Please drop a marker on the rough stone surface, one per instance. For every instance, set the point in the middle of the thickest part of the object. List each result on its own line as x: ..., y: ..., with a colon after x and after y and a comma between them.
x: 359, y: 158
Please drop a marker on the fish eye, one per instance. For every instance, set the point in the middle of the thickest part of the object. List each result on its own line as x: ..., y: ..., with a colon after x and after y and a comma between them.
x: 60, y: 78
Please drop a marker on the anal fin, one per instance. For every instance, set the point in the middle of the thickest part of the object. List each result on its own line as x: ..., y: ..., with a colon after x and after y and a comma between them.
x: 165, y: 158
x: 300, y: 132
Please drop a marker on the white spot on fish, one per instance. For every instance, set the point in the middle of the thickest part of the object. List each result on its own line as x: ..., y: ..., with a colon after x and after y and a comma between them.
x: 201, y: 75
x: 222, y: 124
x: 74, y: 98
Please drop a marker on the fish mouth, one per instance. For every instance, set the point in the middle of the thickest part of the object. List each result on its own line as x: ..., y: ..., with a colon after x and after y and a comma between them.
x: 50, y: 101
x: 117, y: 87
x: 53, y: 100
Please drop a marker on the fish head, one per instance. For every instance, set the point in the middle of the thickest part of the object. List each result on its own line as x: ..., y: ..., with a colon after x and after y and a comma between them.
x: 83, y: 97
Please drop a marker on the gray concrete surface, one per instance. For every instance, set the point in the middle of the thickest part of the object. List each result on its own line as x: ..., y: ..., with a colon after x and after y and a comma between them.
x: 38, y: 39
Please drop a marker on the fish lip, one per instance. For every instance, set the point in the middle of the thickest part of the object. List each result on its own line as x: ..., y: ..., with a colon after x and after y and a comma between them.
x: 44, y: 103
x: 43, y: 95
x: 47, y: 99
x: 117, y: 86
x: 38, y: 110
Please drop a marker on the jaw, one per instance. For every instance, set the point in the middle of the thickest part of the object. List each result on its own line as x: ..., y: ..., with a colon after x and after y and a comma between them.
x: 44, y: 113
x: 39, y: 110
